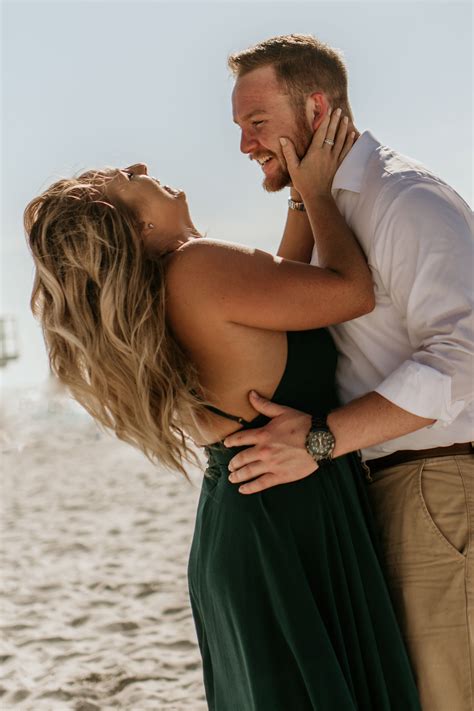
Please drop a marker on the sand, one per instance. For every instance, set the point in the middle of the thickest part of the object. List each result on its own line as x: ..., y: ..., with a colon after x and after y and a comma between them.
x: 95, y: 610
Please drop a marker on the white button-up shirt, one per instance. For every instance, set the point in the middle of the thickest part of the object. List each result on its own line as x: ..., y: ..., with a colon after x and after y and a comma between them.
x: 415, y: 349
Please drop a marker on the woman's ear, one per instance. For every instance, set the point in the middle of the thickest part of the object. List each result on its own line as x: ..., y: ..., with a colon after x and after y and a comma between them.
x: 145, y: 228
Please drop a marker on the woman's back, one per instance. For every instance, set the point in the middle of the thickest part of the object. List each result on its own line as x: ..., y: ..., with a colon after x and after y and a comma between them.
x: 232, y: 358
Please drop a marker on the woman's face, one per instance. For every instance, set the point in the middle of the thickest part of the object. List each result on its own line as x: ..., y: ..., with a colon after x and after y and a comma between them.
x: 152, y: 203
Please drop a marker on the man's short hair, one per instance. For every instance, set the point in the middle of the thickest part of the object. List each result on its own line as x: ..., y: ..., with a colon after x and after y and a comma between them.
x: 302, y: 63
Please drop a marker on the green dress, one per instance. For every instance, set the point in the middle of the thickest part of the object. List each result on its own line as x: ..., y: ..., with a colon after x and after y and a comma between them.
x: 290, y: 604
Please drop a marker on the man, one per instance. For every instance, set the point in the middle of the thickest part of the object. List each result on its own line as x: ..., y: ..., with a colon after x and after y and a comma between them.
x: 405, y: 370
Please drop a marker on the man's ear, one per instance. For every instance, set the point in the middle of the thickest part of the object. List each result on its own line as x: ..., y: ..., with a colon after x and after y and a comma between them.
x: 317, y: 107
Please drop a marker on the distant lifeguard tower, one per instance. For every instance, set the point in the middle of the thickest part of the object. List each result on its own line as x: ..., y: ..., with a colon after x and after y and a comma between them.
x: 8, y: 340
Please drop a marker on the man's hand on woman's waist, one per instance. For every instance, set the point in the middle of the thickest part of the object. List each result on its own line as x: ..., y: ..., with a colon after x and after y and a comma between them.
x: 277, y: 453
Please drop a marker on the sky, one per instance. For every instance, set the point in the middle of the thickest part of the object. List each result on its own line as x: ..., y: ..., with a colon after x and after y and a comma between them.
x: 87, y: 84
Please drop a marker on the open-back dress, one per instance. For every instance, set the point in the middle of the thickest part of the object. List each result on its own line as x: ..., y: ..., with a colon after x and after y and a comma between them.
x: 287, y: 590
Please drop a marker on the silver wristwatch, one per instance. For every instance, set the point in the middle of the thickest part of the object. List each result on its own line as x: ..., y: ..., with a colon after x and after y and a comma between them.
x: 295, y: 205
x: 320, y: 440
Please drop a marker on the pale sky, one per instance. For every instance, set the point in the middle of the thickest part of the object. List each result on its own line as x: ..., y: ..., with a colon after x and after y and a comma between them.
x: 92, y: 83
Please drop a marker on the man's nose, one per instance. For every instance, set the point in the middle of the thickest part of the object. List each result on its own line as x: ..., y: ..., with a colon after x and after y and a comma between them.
x: 248, y: 144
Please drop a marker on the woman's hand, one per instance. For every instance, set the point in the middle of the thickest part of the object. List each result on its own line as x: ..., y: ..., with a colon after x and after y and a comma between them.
x: 312, y: 176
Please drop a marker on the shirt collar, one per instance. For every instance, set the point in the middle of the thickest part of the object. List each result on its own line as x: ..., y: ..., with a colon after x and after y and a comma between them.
x: 349, y: 175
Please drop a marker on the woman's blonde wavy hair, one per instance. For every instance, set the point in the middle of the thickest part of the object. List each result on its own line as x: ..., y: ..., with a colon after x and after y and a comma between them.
x: 101, y: 303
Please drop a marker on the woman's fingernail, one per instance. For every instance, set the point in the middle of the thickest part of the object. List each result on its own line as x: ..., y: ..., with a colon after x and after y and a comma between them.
x: 329, y: 111
x: 254, y: 394
x: 338, y: 112
x: 346, y: 119
x: 283, y: 141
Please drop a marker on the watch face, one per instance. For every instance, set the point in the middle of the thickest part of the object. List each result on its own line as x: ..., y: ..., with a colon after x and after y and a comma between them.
x: 320, y: 443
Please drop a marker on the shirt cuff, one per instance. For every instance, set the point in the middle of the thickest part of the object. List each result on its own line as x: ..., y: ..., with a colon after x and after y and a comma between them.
x: 423, y: 391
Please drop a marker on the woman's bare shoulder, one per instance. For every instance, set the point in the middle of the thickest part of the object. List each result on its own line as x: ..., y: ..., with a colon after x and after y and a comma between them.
x: 197, y: 265
x: 193, y: 284
x: 199, y: 251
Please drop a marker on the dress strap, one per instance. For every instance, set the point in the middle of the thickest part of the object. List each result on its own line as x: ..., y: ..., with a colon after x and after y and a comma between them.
x: 216, y: 411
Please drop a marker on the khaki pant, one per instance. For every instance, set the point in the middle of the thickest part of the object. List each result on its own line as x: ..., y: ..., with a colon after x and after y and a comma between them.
x: 424, y: 511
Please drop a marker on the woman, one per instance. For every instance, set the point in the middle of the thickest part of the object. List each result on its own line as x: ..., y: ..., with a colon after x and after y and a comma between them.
x: 160, y: 334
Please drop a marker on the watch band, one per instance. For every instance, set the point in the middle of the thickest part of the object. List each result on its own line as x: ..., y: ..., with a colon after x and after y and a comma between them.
x: 295, y: 205
x: 319, y: 422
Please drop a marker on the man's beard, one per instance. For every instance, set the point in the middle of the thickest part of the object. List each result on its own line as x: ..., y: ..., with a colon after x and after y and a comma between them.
x: 280, y: 177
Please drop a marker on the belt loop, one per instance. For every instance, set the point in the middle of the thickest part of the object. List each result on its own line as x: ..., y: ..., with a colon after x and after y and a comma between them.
x: 368, y: 474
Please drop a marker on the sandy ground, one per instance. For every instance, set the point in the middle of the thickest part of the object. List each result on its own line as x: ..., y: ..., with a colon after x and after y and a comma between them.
x: 95, y: 611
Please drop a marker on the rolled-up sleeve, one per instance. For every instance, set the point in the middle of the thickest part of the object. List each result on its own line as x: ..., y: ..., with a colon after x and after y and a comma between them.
x: 423, y: 248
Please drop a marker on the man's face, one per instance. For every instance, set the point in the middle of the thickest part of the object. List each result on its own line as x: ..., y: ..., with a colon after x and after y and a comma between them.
x: 265, y: 113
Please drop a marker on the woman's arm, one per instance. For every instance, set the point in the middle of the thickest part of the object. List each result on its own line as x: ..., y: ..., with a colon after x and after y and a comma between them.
x: 297, y: 242
x: 253, y: 288
x: 229, y: 282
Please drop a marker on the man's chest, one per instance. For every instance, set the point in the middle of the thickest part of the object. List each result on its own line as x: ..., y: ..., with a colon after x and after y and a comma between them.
x: 358, y: 211
x: 380, y: 335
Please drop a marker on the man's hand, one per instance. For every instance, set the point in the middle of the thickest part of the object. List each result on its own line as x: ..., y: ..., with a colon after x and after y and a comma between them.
x: 278, y: 454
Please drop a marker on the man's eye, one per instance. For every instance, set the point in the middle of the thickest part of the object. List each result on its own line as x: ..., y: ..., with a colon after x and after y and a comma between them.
x: 257, y: 123
x: 128, y: 174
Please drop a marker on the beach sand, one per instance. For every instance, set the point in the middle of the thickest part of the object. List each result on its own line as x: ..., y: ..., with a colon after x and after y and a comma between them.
x: 95, y: 609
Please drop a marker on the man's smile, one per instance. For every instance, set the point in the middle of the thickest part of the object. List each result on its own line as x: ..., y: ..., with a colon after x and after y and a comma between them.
x: 264, y: 161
